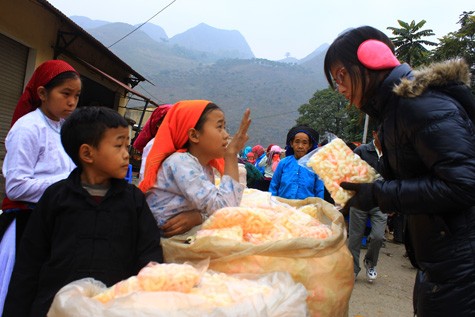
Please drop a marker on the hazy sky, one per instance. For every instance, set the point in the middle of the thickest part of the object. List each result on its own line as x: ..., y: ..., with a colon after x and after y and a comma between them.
x: 274, y: 27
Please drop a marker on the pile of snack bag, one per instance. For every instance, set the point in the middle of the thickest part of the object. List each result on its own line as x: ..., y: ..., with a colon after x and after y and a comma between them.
x: 166, y: 290
x: 260, y: 225
x: 265, y: 234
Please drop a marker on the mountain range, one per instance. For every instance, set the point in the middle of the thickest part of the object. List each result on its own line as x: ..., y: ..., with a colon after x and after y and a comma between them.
x: 218, y: 65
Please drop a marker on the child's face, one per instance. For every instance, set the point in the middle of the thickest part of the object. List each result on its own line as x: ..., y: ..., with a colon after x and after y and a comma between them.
x: 111, y: 157
x: 251, y: 158
x: 61, y: 100
x: 213, y: 137
x: 300, y: 144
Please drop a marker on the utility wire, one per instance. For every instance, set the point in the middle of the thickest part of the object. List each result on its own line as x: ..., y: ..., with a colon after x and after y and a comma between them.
x: 151, y: 95
x: 138, y: 27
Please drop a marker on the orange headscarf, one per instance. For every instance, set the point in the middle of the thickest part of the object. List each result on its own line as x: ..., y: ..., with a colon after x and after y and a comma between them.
x: 43, y: 74
x: 172, y: 136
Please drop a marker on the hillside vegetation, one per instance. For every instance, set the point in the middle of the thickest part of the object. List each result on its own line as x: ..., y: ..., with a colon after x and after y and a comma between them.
x: 221, y: 68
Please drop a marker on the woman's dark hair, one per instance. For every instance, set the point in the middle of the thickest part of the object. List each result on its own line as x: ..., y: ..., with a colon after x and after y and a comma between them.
x: 87, y: 125
x: 61, y: 78
x: 343, y: 51
x: 313, y: 134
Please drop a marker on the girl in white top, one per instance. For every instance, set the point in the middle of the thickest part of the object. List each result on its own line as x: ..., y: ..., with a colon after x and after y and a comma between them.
x: 35, y: 157
x: 179, y: 176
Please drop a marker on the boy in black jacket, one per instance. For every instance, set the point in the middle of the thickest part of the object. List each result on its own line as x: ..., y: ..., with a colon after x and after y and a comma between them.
x: 92, y: 224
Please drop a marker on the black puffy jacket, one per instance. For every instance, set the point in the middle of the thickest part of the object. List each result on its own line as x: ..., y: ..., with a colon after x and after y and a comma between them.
x: 428, y: 141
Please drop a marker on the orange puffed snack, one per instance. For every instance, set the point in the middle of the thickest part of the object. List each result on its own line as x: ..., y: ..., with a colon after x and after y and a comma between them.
x: 261, y: 225
x: 251, y: 220
x: 155, y: 277
x: 119, y: 289
x: 220, y: 289
x: 233, y: 233
x: 335, y: 163
x: 168, y: 277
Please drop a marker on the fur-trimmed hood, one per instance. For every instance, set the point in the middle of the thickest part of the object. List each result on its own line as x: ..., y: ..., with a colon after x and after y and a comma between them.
x: 437, y: 74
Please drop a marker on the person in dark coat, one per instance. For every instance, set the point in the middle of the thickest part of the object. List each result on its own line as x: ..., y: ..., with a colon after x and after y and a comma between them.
x: 427, y: 137
x: 92, y: 224
x: 358, y: 220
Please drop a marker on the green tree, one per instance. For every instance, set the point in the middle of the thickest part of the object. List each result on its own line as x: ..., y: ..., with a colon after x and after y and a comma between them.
x: 409, y: 42
x: 328, y: 111
x: 460, y: 43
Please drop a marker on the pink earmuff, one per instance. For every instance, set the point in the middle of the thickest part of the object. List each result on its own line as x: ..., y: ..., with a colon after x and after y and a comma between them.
x: 376, y: 55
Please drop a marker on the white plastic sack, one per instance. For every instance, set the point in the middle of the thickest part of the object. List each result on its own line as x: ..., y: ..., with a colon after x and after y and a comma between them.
x: 284, y: 298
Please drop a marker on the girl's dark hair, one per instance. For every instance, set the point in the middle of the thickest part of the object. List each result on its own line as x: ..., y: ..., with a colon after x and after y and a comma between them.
x: 87, y: 125
x: 61, y: 78
x: 343, y: 51
x: 201, y: 121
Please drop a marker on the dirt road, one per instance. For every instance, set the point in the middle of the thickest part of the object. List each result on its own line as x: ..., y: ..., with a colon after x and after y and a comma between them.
x: 391, y: 294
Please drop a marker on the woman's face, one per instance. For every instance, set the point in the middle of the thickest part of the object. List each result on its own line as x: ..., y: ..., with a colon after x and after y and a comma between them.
x: 300, y: 144
x: 251, y: 158
x: 344, y: 85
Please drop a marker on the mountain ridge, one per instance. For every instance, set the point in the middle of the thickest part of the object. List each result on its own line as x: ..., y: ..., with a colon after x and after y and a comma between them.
x: 273, y: 90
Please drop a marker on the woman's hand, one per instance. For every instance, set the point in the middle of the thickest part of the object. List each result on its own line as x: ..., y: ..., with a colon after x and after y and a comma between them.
x: 239, y: 140
x: 181, y: 223
x: 363, y: 199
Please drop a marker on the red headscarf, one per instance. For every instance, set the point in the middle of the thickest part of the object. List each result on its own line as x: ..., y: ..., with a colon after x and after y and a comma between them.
x: 258, y: 150
x: 251, y: 157
x: 150, y: 128
x: 172, y: 136
x: 43, y: 74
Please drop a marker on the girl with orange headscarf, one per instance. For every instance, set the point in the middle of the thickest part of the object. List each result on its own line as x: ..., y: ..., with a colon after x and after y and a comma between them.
x: 179, y: 177
x: 35, y: 156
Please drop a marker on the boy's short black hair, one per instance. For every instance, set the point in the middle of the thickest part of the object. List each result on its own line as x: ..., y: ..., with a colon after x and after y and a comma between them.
x: 87, y: 125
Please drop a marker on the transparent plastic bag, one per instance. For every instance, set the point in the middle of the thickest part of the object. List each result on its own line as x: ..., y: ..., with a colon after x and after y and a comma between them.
x: 335, y: 163
x: 218, y: 295
x: 323, y: 266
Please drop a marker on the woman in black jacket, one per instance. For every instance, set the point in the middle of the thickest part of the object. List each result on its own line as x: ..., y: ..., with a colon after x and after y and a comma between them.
x: 428, y: 143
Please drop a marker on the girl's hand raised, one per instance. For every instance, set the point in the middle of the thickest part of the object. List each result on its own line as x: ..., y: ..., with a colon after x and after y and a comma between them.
x: 239, y: 140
